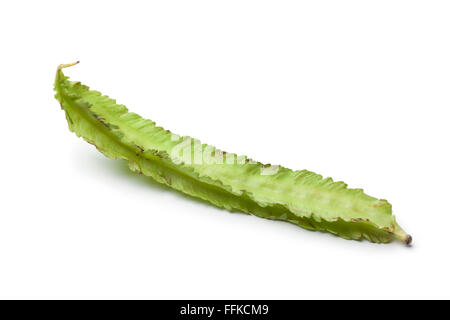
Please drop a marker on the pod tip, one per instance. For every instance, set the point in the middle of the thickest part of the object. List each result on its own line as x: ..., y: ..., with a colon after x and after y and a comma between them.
x: 401, y: 235
x: 407, y: 240
x: 66, y: 65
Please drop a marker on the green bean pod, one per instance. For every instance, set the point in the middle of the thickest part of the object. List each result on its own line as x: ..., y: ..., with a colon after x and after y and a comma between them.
x: 228, y: 181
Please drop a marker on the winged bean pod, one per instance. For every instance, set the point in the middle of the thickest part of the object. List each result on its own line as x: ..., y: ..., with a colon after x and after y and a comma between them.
x: 235, y: 183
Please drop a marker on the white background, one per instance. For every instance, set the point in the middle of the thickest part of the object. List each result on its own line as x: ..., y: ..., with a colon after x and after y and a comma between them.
x: 356, y: 90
